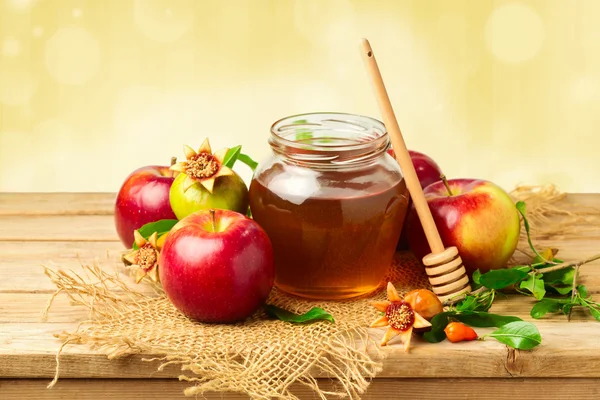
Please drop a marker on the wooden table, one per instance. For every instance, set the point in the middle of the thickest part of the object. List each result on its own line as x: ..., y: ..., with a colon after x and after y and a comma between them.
x: 49, y: 229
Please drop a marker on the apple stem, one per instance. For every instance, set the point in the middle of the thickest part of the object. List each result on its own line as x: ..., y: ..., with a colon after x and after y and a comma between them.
x: 173, y: 161
x: 214, y: 221
x: 443, y: 178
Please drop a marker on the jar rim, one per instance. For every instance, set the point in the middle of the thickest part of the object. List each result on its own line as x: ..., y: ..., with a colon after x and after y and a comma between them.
x: 356, y: 137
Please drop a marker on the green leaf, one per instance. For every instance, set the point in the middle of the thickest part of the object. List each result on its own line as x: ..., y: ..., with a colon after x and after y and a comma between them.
x: 487, y: 302
x: 232, y: 156
x: 583, y: 292
x: 314, y: 314
x: 519, y: 335
x: 566, y: 308
x: 534, y: 284
x: 160, y: 227
x: 545, y: 306
x: 246, y: 159
x: 501, y: 278
x: 560, y: 277
x: 438, y: 324
x: 595, y: 313
x: 481, y: 302
x: 539, y: 290
x: 468, y: 304
x: 476, y: 277
x: 480, y: 319
x: 560, y: 289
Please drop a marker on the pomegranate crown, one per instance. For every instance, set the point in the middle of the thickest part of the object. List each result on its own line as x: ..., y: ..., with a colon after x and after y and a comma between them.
x: 202, y: 166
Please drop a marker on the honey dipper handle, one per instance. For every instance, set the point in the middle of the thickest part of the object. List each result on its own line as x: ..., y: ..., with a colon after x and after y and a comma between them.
x: 402, y: 156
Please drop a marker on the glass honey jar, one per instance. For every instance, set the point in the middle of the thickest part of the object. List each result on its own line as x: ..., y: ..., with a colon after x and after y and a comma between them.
x: 333, y: 202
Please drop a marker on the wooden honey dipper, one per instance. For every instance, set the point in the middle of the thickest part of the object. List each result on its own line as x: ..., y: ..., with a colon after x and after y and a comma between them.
x: 444, y: 267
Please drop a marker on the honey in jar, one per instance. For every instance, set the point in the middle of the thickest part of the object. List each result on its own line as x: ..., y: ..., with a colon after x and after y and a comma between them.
x: 332, y: 201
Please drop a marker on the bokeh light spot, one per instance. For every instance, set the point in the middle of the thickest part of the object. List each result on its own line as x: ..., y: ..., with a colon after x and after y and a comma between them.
x: 37, y: 31
x: 21, y: 5
x: 514, y: 33
x: 583, y: 90
x: 72, y: 55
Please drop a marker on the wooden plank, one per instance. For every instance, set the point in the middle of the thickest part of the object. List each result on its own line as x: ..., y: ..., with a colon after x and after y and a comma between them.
x: 20, y: 262
x: 423, y: 389
x: 57, y: 203
x: 98, y: 228
x: 90, y: 225
x: 26, y: 308
x: 591, y: 200
x: 28, y: 350
x: 40, y: 205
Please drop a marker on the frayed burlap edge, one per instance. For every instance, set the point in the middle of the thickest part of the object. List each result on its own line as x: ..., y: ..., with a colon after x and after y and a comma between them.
x: 237, y: 358
x: 260, y: 357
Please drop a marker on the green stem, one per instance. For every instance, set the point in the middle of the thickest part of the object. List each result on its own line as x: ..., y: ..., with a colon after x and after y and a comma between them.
x: 574, y: 292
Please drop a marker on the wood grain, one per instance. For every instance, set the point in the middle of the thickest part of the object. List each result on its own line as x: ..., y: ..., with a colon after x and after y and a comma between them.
x: 422, y: 389
x: 21, y: 262
x: 28, y: 350
x: 57, y: 203
x: 98, y: 228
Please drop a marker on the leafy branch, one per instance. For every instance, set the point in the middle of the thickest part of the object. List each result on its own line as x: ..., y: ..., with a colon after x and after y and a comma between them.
x: 551, y: 281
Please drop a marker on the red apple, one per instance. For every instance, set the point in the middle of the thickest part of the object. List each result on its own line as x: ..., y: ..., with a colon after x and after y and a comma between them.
x: 428, y: 172
x: 479, y: 218
x: 217, y: 267
x: 143, y: 198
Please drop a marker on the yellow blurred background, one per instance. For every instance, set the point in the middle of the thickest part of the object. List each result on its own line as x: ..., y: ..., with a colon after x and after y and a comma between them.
x: 91, y: 89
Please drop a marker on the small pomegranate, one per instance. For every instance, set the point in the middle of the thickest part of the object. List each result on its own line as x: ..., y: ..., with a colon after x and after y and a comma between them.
x: 204, y: 183
x: 399, y: 316
x: 145, y: 258
x: 425, y: 302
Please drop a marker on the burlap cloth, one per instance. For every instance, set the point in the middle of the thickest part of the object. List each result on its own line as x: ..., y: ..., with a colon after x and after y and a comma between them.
x: 263, y: 357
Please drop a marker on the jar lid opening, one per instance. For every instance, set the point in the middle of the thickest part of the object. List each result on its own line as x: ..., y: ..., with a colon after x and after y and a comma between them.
x: 329, y: 137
